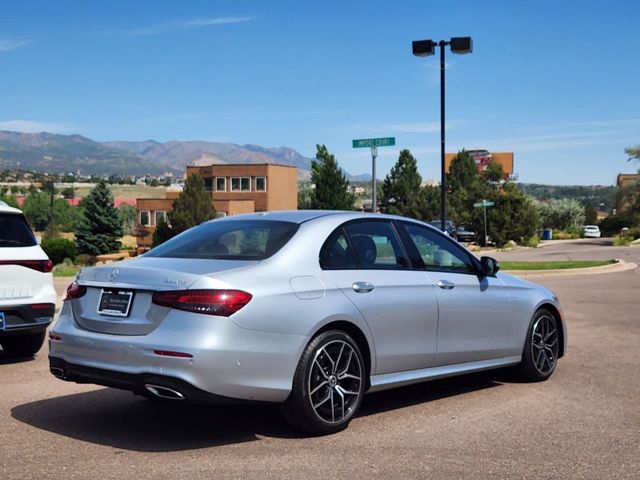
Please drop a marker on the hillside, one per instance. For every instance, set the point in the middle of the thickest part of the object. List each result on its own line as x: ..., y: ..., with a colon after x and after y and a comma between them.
x: 47, y: 152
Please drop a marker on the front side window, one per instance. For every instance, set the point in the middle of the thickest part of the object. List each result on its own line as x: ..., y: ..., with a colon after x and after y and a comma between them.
x: 145, y: 218
x: 228, y: 240
x: 261, y: 184
x: 240, y: 184
x: 221, y: 184
x: 434, y: 251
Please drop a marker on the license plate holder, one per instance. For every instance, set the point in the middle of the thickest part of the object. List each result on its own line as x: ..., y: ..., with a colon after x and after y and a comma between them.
x: 115, y: 302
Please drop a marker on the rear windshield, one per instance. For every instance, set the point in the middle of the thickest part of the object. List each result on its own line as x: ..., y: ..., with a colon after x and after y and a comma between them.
x: 15, y: 231
x: 228, y: 240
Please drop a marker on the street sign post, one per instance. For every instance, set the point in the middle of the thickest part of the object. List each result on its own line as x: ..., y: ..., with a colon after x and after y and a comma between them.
x: 484, y: 204
x: 373, y: 144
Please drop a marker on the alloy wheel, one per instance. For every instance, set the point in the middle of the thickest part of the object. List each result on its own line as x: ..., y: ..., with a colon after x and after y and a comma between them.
x: 335, y: 382
x: 544, y: 344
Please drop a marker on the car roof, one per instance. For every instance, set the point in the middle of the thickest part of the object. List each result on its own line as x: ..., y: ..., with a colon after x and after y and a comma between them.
x: 4, y: 208
x: 301, y: 216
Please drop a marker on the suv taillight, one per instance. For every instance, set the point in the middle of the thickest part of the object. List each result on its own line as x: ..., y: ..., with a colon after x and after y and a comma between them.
x: 44, y: 266
x: 74, y: 291
x: 208, y: 302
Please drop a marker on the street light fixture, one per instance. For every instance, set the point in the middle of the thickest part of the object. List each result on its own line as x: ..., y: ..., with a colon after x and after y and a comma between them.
x: 425, y: 48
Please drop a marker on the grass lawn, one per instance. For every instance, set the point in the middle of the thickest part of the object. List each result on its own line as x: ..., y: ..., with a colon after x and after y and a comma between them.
x: 563, y: 264
x: 63, y: 270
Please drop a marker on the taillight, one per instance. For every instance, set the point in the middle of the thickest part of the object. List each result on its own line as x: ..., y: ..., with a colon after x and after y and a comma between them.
x: 208, y: 302
x: 74, y: 291
x: 44, y: 266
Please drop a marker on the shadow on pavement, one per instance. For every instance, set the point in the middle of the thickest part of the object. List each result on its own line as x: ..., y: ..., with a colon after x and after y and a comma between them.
x: 7, y: 360
x: 121, y: 420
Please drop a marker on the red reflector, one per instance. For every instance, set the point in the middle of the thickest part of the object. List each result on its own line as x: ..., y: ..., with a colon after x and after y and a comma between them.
x: 44, y: 266
x: 54, y: 337
x: 74, y: 291
x: 209, y: 302
x: 169, y: 353
x: 42, y: 306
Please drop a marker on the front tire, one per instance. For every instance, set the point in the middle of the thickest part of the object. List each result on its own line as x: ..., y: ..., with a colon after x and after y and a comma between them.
x: 540, y: 355
x: 328, y: 385
x: 26, y: 345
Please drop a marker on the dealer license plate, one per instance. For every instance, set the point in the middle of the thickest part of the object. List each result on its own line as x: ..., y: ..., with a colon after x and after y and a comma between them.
x: 115, y: 302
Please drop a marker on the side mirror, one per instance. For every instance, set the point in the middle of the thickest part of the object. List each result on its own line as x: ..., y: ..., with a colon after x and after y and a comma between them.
x: 490, y: 266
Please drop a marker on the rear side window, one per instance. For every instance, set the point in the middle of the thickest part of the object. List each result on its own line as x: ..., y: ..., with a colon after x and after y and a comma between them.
x: 228, y: 240
x: 15, y: 231
x: 363, y: 244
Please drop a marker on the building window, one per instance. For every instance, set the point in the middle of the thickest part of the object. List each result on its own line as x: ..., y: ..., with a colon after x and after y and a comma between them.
x: 161, y: 216
x: 221, y: 184
x: 145, y: 218
x: 261, y: 184
x: 208, y: 184
x: 240, y: 184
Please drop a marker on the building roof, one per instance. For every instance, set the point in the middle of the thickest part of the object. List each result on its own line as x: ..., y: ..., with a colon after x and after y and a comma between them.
x: 242, y: 165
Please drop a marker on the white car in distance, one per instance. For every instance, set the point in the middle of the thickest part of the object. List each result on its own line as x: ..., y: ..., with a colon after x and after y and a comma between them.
x: 591, y: 231
x: 27, y: 294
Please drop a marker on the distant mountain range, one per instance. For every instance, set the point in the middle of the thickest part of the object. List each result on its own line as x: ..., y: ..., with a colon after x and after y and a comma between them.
x: 53, y: 153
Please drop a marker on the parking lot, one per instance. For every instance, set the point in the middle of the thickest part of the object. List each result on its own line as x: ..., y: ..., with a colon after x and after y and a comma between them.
x: 582, y: 423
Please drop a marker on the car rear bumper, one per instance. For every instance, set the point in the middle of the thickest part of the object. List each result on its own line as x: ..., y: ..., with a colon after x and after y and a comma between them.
x: 221, y: 359
x: 140, y: 383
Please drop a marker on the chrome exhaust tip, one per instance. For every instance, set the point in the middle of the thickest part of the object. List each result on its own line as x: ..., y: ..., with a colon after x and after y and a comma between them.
x: 57, y: 372
x: 164, y: 392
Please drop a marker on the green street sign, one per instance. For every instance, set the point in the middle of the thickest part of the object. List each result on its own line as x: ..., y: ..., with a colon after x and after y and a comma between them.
x: 374, y: 142
x: 484, y: 203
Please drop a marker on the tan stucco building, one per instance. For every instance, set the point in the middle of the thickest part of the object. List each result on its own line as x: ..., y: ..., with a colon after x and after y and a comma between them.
x: 234, y: 188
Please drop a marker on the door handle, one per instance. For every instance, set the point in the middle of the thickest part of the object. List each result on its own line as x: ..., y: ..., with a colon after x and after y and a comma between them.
x: 446, y: 285
x: 362, y: 287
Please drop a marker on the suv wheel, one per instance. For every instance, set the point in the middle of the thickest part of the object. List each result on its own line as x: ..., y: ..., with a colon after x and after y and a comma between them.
x: 25, y: 345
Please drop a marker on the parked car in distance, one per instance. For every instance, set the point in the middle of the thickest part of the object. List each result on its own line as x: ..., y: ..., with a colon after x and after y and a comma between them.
x: 449, y: 228
x: 464, y: 235
x: 308, y: 309
x: 591, y: 231
x: 27, y: 295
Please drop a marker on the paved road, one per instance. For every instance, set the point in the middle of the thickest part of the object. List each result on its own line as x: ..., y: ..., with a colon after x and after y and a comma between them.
x: 583, y: 423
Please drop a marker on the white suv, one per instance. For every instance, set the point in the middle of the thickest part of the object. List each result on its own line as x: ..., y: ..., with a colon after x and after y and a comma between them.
x: 27, y: 295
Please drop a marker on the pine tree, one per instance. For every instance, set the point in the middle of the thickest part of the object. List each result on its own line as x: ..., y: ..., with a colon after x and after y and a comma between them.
x: 100, y: 229
x: 192, y: 207
x: 331, y: 191
x: 401, y: 193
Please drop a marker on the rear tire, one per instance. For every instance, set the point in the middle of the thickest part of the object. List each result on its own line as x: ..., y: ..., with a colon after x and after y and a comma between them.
x: 26, y: 345
x: 328, y: 385
x: 540, y: 354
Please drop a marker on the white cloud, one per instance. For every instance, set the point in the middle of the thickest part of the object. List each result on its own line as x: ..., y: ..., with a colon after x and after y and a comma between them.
x: 31, y: 126
x: 183, y: 25
x: 8, y: 44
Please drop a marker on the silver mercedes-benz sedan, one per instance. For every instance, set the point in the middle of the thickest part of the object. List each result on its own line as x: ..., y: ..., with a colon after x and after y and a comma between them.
x: 310, y: 309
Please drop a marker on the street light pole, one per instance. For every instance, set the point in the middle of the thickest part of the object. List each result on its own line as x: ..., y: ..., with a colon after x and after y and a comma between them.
x: 424, y: 48
x: 443, y: 177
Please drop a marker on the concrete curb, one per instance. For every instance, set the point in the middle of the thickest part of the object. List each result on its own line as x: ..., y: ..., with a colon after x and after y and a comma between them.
x: 619, y: 266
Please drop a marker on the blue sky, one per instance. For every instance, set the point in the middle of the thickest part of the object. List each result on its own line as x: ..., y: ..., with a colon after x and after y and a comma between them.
x: 555, y: 82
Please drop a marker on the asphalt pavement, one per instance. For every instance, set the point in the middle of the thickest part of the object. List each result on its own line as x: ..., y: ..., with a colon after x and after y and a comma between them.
x: 582, y: 423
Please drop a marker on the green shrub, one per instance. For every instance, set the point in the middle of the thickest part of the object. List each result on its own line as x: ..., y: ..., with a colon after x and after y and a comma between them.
x: 531, y: 242
x: 58, y: 249
x: 634, y: 232
x: 622, y: 240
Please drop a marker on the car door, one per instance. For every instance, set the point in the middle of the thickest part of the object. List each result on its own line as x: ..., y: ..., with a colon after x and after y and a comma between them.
x: 474, y: 312
x: 367, y: 261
